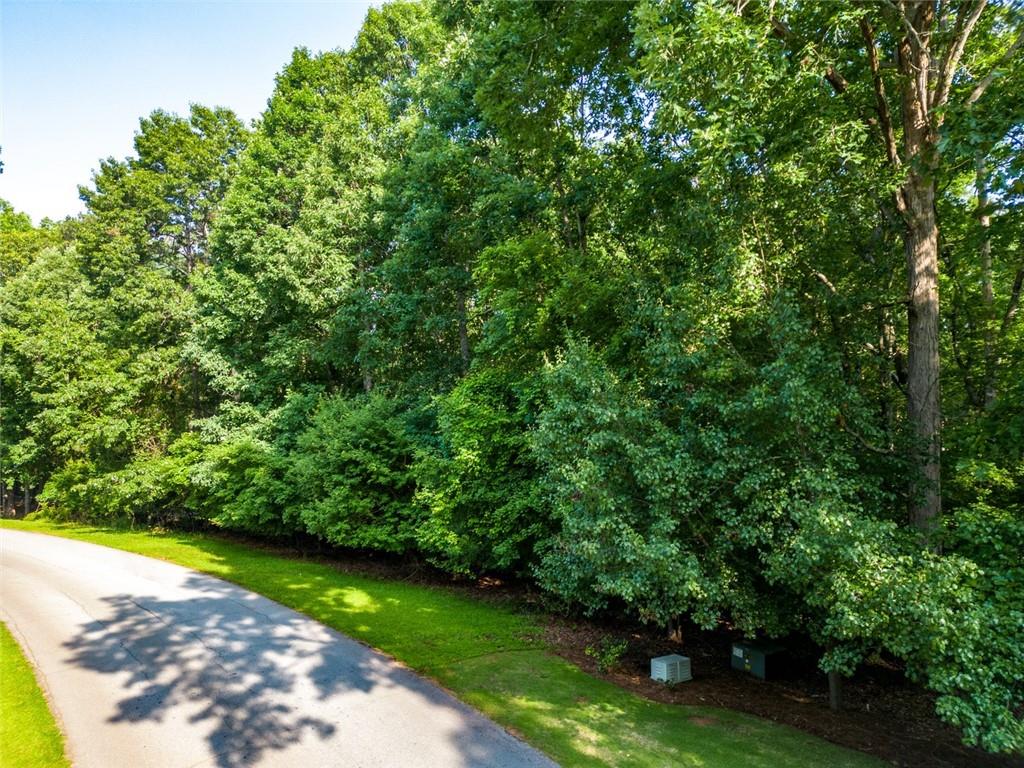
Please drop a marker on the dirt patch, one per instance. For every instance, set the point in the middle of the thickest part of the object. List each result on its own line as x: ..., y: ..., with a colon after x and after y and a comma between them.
x: 705, y: 721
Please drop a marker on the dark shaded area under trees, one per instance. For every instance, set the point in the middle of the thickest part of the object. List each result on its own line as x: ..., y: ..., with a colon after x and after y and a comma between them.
x: 687, y: 308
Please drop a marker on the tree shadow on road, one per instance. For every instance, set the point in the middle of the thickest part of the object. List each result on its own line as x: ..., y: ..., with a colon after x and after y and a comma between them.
x: 248, y: 672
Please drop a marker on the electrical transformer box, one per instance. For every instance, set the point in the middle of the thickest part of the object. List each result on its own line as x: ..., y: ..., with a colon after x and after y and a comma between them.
x: 753, y: 657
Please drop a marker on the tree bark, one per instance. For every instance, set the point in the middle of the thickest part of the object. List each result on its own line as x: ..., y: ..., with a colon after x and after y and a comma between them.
x: 675, y: 630
x: 921, y: 247
x: 835, y: 691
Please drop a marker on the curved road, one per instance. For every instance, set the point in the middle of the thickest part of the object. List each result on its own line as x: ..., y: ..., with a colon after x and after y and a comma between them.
x: 150, y: 665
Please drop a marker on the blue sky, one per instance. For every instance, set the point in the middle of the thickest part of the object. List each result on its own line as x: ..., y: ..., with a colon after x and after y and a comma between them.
x: 77, y: 76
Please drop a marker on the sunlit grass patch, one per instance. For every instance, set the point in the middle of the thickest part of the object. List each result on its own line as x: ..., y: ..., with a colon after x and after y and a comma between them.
x: 29, y: 737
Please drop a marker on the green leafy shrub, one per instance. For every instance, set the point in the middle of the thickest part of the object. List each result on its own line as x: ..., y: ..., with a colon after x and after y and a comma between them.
x: 479, y: 488
x: 243, y: 483
x: 607, y: 653
x: 352, y: 472
x: 151, y: 488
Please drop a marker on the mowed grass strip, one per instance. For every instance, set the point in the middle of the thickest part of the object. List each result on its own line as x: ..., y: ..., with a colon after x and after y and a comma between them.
x: 29, y: 737
x: 490, y: 656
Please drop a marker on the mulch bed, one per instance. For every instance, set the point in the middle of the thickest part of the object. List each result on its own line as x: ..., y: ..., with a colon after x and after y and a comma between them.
x: 883, y: 714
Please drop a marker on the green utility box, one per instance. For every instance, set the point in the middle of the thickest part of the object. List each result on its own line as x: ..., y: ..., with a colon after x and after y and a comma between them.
x: 753, y: 657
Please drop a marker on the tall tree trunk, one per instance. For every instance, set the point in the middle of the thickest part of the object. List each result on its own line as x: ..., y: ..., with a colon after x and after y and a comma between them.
x: 835, y: 691
x: 921, y: 246
x: 27, y: 500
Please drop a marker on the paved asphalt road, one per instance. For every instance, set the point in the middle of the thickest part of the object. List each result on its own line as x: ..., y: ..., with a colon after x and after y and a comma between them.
x: 149, y: 665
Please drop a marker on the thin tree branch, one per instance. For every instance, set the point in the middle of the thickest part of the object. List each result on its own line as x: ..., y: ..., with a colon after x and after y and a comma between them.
x: 958, y: 24
x: 954, y: 53
x: 837, y: 81
x: 875, y: 307
x: 1011, y: 307
x: 986, y: 81
x: 914, y: 37
x: 881, y: 103
x: 784, y: 33
x: 825, y: 281
x: 843, y: 425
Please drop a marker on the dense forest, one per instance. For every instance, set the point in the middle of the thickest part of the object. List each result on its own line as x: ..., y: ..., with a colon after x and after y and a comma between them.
x: 678, y: 308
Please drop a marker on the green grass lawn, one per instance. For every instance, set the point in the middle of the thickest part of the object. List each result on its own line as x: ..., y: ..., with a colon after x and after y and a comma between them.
x: 28, y: 736
x: 492, y: 657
